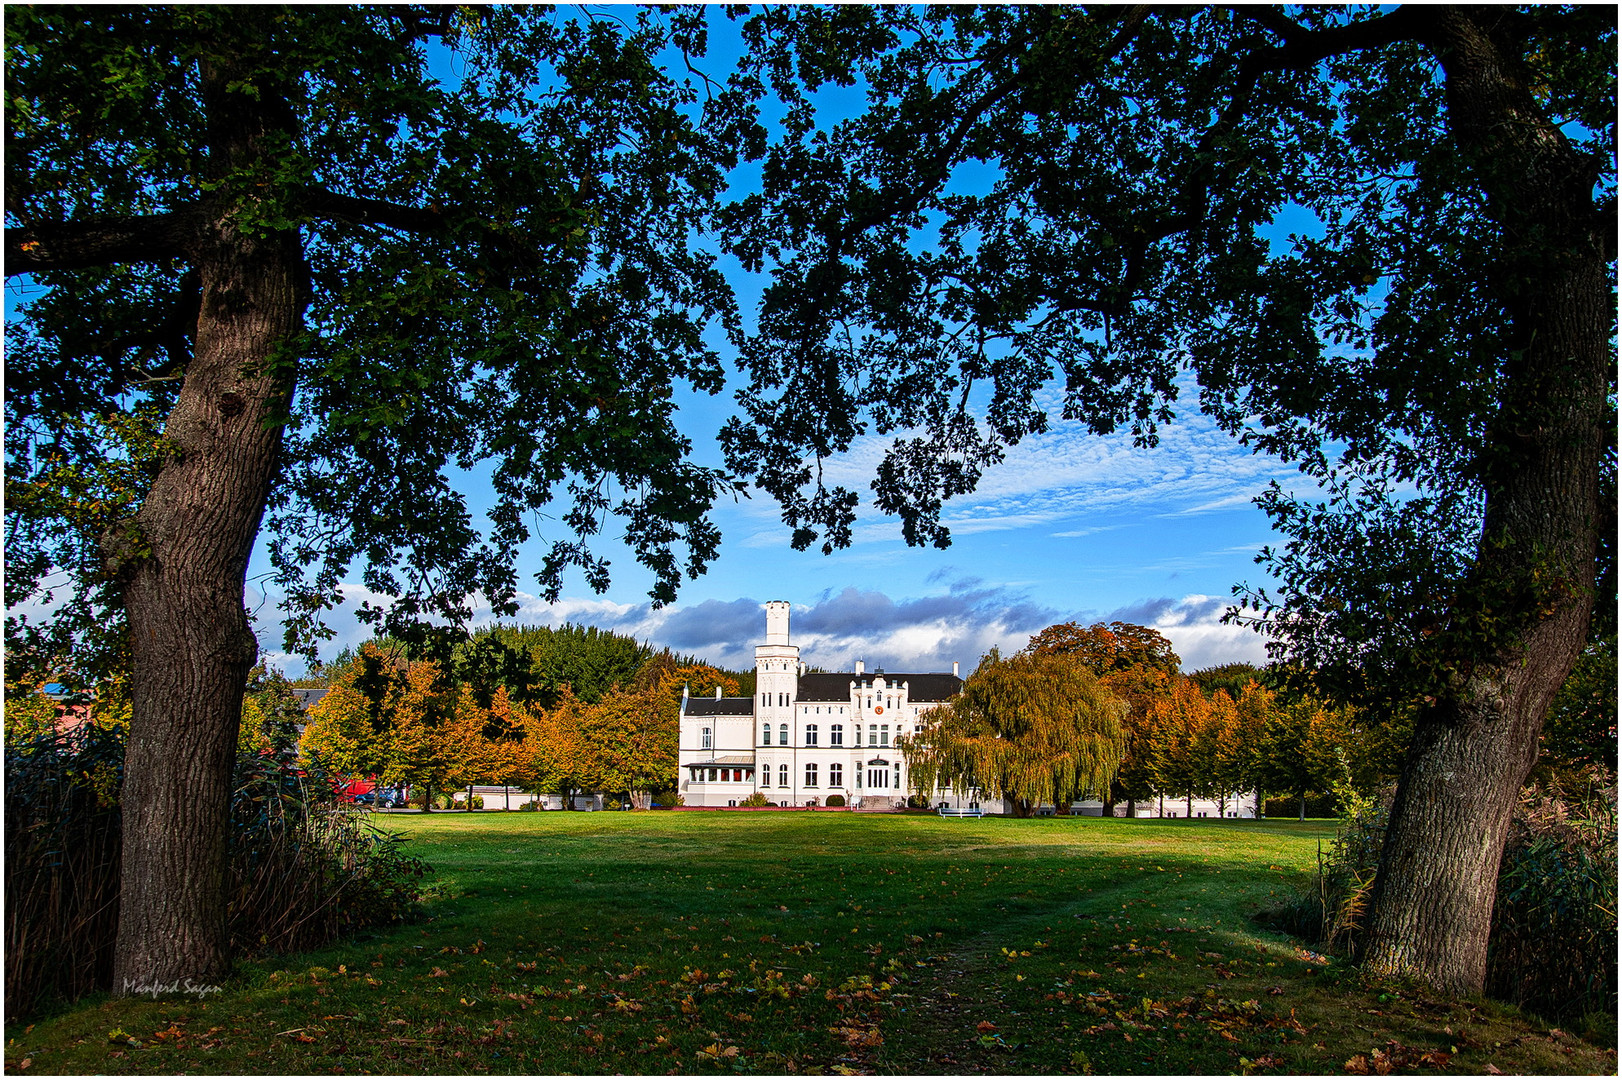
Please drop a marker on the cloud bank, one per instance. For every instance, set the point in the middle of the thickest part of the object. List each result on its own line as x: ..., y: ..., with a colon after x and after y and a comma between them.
x: 835, y: 628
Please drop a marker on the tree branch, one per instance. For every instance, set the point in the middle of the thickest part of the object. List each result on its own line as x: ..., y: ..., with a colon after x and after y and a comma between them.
x: 76, y: 245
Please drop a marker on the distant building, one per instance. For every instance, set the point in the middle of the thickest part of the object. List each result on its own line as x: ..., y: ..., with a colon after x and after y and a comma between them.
x: 806, y: 737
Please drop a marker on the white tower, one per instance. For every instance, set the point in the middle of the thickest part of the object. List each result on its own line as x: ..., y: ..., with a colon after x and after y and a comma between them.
x: 777, y: 679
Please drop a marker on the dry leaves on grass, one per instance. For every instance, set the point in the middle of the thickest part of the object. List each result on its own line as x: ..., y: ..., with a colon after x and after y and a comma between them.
x: 1394, y: 1056
x: 862, y: 1035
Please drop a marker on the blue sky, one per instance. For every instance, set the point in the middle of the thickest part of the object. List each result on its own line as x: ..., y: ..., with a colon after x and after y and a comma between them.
x: 1071, y: 526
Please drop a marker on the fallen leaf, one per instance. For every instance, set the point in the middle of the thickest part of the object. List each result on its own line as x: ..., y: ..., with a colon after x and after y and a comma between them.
x: 984, y: 1026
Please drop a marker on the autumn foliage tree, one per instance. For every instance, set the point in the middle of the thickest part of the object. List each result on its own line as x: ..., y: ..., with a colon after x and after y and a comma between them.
x: 402, y: 722
x: 1027, y: 729
x: 1138, y: 665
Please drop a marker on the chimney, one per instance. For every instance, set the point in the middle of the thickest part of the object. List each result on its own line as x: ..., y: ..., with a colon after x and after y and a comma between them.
x: 954, y: 669
x: 718, y: 692
x: 684, y: 692
x: 859, y: 667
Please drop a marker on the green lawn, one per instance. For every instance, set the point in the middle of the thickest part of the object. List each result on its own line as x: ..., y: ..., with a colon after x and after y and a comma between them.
x: 817, y: 943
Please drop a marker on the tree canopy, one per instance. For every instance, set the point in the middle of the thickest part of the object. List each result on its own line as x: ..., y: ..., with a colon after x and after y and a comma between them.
x: 477, y: 251
x: 293, y: 271
x: 1070, y: 213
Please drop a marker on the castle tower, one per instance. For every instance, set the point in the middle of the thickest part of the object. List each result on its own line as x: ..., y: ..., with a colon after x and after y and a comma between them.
x: 777, y: 678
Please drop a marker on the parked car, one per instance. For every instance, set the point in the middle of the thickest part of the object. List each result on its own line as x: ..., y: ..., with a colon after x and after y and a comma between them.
x: 383, y: 798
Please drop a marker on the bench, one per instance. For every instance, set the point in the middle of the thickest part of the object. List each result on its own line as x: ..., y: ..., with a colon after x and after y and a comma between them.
x: 952, y: 811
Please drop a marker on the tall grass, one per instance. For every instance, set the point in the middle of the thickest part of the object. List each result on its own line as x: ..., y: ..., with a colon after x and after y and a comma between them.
x: 301, y: 870
x: 62, y: 864
x: 1553, y: 944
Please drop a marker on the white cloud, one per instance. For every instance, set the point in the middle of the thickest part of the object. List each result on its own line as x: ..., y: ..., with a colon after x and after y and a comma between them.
x: 1068, y: 473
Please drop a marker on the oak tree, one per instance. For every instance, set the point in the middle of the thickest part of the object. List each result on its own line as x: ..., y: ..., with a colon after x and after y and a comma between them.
x: 1072, y: 213
x: 310, y: 263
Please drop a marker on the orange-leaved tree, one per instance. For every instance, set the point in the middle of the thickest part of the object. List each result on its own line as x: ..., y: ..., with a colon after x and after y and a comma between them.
x: 1138, y: 665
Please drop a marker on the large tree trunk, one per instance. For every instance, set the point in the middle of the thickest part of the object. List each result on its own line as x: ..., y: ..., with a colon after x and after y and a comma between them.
x: 183, y: 561
x: 1474, y: 745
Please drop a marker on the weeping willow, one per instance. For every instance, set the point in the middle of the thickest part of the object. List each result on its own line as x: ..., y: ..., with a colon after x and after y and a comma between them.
x: 1028, y: 730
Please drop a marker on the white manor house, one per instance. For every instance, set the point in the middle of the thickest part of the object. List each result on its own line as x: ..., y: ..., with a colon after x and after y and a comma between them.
x: 807, y: 737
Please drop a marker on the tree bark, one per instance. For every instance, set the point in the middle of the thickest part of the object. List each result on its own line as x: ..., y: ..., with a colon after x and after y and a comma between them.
x: 183, y: 562
x: 1474, y: 746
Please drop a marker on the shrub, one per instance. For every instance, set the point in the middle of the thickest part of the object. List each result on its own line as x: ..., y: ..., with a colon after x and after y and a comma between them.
x: 63, y: 846
x: 756, y: 798
x: 1553, y: 944
x: 442, y: 802
x: 1320, y: 804
x: 1552, y: 947
x: 614, y: 804
x: 836, y: 800
x: 528, y: 806
x: 301, y: 871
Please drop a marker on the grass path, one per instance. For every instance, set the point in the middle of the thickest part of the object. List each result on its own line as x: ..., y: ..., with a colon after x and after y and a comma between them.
x: 817, y: 943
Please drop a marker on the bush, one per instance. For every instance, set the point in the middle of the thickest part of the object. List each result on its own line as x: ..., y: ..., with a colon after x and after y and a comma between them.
x: 63, y: 847
x: 528, y: 806
x: 301, y: 871
x: 835, y: 800
x: 756, y: 798
x: 442, y: 802
x: 1552, y: 947
x: 1553, y: 944
x: 614, y: 804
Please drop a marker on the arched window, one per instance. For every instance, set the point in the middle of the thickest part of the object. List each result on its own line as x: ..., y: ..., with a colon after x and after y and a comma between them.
x: 765, y: 734
x: 782, y: 736
x: 810, y: 775
x: 836, y: 775
x: 782, y: 776
x: 810, y: 734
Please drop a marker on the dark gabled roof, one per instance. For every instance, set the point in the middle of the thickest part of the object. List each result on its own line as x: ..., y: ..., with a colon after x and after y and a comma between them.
x: 308, y: 695
x: 835, y: 685
x: 727, y: 706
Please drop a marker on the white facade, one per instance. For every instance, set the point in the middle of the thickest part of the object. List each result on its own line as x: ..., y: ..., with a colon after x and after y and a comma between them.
x: 805, y: 737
